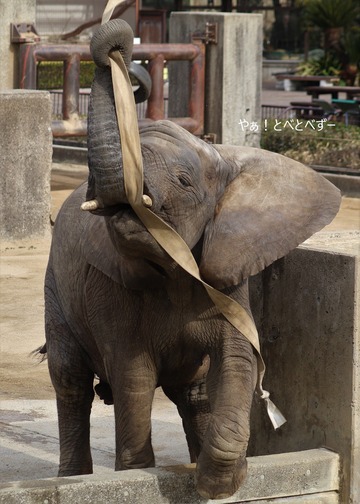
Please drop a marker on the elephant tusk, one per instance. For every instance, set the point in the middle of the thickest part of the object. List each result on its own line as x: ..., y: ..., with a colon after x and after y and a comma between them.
x: 146, y: 201
x: 94, y: 204
x: 90, y: 205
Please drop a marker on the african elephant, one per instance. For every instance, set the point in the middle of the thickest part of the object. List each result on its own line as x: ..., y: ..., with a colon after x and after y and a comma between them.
x: 118, y: 308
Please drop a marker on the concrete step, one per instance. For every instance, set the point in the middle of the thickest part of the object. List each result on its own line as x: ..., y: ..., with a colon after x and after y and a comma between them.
x: 308, y: 477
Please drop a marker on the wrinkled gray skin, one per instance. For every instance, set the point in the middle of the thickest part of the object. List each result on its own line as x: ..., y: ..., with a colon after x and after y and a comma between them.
x: 118, y: 307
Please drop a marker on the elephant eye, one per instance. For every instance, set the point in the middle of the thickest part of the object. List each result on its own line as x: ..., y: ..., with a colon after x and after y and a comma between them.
x: 184, y: 181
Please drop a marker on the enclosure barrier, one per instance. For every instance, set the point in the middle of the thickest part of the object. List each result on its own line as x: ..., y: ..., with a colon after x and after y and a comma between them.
x: 156, y: 55
x: 308, y: 477
x: 25, y: 159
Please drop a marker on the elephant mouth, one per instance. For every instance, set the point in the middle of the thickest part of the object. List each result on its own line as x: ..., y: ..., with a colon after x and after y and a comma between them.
x: 111, y: 210
x: 127, y: 223
x: 131, y: 237
x: 156, y: 268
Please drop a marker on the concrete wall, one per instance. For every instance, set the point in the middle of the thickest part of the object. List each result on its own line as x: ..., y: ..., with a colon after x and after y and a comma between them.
x: 12, y: 11
x: 25, y: 160
x: 297, y: 478
x: 349, y: 185
x: 307, y: 308
x: 233, y: 74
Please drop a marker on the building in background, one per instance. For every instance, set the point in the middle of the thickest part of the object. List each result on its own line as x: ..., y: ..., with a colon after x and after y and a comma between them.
x: 55, y: 18
x: 149, y: 18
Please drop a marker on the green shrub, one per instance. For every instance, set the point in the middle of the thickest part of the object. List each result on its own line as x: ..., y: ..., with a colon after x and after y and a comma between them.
x: 328, y: 64
x: 337, y: 145
x: 50, y: 74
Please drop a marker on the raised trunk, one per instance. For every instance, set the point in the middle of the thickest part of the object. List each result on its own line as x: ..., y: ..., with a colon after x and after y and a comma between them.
x: 106, y: 182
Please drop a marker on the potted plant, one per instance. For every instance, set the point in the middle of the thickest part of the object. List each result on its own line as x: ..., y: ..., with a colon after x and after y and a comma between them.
x: 339, y: 23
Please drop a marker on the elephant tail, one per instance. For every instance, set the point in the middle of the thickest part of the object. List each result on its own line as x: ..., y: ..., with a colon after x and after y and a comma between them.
x: 41, y: 351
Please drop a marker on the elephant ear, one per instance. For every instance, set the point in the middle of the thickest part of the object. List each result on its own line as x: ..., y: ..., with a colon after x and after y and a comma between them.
x: 271, y: 205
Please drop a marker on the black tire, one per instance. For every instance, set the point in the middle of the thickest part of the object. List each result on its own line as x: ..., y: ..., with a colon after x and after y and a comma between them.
x: 144, y: 80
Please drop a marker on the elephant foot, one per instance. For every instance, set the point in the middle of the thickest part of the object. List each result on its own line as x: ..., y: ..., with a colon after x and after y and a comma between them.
x: 75, y: 471
x: 140, y: 460
x: 224, y: 483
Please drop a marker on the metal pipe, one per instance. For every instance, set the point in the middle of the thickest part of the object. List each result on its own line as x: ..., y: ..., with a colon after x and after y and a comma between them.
x: 61, y: 52
x: 78, y: 127
x: 142, y: 51
x: 169, y: 51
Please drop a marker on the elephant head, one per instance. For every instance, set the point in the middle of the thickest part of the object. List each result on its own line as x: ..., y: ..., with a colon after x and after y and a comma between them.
x: 242, y: 207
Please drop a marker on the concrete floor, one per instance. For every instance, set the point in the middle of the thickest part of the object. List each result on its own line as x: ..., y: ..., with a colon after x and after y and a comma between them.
x: 28, y: 424
x: 29, y: 437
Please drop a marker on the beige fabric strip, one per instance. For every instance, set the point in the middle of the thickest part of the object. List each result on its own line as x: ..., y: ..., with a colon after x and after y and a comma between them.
x: 109, y: 9
x: 167, y: 237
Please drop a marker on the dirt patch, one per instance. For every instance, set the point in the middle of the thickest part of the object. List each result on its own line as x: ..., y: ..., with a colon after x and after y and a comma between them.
x: 22, y: 271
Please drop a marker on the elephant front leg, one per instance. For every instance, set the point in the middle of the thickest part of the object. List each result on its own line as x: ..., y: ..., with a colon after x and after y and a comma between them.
x: 222, y: 465
x: 133, y: 393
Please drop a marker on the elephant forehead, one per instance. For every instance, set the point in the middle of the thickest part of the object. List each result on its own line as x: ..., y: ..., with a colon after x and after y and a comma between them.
x: 167, y: 146
x: 171, y: 133
x: 169, y: 158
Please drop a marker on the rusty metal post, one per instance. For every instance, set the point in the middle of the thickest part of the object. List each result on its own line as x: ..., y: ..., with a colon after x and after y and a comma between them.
x: 197, y: 88
x: 155, y: 106
x: 71, y: 87
x: 27, y: 66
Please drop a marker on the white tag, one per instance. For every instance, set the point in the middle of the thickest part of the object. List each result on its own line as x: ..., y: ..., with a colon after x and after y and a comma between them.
x: 275, y: 415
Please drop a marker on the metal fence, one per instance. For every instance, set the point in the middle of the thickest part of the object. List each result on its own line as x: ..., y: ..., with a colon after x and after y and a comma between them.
x: 84, y: 96
x: 301, y: 111
x: 276, y: 112
x: 70, y: 103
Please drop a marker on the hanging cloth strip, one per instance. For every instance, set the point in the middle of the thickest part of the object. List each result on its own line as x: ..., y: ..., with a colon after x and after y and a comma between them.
x: 167, y: 237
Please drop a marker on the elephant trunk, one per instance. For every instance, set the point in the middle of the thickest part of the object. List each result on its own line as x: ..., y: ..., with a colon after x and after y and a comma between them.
x: 106, y: 182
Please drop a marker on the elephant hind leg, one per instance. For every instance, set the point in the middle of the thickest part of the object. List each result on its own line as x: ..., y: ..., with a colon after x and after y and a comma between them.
x: 73, y: 383
x: 74, y: 432
x: 194, y: 409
